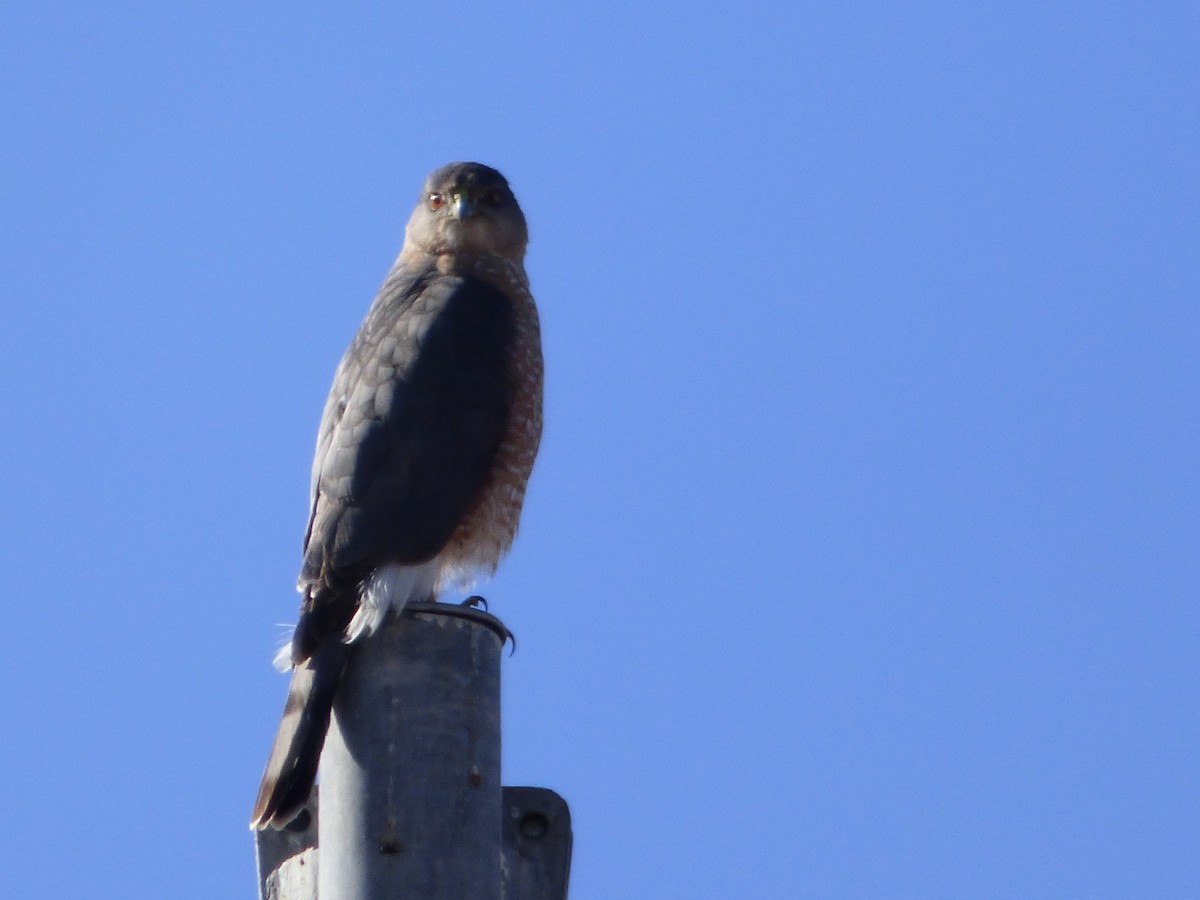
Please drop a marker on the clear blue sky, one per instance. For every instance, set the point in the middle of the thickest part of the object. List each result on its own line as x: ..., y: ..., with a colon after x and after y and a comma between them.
x: 861, y: 556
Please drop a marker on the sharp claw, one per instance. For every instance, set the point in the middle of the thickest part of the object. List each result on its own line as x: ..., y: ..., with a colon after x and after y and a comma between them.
x: 477, y: 602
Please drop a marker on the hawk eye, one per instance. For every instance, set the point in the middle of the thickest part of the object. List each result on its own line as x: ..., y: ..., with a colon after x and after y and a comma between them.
x: 436, y: 200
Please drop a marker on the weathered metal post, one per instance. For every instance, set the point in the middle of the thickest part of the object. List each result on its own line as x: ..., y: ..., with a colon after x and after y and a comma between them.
x: 410, y: 774
x: 410, y: 802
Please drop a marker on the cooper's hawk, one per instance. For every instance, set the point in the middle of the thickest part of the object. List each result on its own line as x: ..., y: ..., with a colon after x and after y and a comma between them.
x: 423, y: 453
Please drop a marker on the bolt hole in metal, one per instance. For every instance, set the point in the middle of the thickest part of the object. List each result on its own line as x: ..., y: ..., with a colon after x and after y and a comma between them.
x: 534, y: 825
x: 390, y: 848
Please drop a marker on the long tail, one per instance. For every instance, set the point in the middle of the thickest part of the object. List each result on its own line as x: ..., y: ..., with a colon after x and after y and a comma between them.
x: 292, y: 765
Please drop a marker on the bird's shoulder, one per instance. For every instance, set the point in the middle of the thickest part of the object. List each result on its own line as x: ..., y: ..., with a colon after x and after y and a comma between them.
x: 414, y: 300
x: 427, y: 335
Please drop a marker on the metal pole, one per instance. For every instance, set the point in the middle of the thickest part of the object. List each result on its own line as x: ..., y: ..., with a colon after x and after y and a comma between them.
x: 410, y: 773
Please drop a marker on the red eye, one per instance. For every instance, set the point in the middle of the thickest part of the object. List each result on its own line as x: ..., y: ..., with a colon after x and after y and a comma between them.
x: 436, y: 200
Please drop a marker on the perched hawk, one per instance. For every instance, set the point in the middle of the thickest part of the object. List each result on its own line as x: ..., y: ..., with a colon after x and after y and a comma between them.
x: 423, y: 453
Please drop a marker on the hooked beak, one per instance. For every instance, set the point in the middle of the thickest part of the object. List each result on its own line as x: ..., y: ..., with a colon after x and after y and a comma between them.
x: 460, y: 206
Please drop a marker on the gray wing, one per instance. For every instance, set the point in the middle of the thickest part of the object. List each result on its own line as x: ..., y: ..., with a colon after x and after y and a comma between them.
x: 417, y: 411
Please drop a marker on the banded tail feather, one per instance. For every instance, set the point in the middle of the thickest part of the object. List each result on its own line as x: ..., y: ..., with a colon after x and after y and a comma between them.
x: 292, y: 766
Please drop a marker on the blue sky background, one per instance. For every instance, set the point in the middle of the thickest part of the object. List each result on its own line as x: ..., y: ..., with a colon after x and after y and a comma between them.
x: 861, y: 556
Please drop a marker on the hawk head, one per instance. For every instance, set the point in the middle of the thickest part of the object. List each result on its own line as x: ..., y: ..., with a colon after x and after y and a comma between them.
x: 467, y: 209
